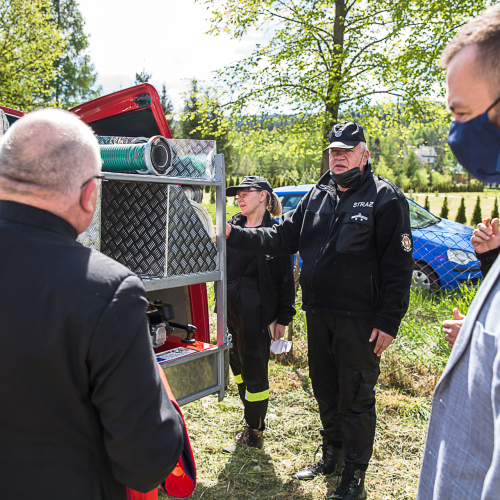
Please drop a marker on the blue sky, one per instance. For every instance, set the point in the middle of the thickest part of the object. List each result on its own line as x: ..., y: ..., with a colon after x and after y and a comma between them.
x: 166, y: 37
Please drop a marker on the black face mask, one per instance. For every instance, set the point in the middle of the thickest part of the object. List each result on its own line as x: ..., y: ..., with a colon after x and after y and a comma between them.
x: 349, y: 179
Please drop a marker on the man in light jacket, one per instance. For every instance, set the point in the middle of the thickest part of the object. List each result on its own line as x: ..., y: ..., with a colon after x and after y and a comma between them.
x: 462, y: 454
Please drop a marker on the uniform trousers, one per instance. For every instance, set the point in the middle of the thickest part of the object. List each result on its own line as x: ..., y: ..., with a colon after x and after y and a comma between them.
x: 249, y: 356
x: 344, y: 370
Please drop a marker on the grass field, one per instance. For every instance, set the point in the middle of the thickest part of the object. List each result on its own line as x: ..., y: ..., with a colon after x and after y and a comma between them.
x: 410, y: 370
x: 436, y: 202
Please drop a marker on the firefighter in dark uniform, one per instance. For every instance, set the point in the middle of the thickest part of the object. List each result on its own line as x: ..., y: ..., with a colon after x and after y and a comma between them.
x: 260, y: 290
x: 353, y: 233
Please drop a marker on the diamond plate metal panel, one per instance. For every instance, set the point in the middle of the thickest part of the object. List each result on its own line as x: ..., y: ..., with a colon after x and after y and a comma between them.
x: 192, y: 158
x: 193, y: 376
x: 152, y: 229
x: 114, y: 139
x: 91, y: 237
x: 133, y: 227
x: 189, y: 248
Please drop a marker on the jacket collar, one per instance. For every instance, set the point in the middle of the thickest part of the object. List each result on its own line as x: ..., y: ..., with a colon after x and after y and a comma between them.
x: 239, y: 219
x: 32, y: 216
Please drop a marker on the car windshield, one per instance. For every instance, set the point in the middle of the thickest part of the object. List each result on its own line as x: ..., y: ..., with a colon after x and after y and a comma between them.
x: 419, y: 217
x: 290, y: 201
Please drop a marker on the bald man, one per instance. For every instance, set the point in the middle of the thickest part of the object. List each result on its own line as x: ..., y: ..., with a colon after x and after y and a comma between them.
x: 462, y: 454
x: 84, y: 413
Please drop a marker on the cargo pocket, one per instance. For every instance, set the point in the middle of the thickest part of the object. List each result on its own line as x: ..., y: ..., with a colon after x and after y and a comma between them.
x: 355, y: 232
x: 364, y: 400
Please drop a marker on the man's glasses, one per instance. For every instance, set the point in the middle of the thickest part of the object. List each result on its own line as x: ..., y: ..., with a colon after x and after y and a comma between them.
x: 100, y: 177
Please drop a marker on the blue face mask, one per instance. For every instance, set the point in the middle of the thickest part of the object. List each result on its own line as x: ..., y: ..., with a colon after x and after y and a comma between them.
x: 476, y: 144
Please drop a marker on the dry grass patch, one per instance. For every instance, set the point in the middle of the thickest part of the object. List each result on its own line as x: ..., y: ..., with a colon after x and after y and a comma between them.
x: 291, y: 439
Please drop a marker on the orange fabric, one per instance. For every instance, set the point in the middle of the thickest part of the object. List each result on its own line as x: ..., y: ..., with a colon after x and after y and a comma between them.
x: 136, y: 495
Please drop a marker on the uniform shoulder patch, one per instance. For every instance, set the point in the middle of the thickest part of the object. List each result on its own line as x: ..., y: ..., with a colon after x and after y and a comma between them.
x: 406, y: 242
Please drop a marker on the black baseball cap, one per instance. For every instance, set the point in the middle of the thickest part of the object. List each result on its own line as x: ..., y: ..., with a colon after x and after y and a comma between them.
x: 250, y: 181
x: 345, y: 135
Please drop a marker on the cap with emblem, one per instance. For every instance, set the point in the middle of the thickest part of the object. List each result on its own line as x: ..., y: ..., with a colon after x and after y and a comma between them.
x: 250, y: 181
x: 345, y: 135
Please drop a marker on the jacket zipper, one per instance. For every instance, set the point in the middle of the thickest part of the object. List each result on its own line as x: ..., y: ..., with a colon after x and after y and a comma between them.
x: 321, y: 250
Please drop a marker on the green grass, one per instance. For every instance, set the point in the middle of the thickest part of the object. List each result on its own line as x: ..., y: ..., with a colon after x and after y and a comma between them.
x: 418, y: 356
x: 410, y: 369
x: 436, y: 202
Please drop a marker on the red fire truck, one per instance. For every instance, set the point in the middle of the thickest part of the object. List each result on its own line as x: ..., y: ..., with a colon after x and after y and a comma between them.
x: 148, y: 223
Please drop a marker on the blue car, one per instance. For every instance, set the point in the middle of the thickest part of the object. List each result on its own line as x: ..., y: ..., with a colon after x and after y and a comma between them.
x: 444, y: 256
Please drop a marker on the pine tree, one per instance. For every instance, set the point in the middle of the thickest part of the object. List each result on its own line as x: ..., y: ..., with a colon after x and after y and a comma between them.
x: 444, y: 209
x: 427, y: 205
x: 76, y: 76
x: 476, y: 215
x: 166, y: 103
x: 494, y: 214
x: 461, y: 217
x: 142, y: 77
x: 199, y: 105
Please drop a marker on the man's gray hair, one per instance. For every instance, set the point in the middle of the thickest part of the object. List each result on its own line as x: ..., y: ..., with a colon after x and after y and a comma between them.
x: 484, y: 32
x: 48, y: 151
x: 363, y: 147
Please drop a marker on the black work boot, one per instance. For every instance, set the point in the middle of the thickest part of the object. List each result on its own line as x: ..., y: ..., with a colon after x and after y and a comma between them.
x: 352, y: 485
x: 248, y: 436
x: 331, y: 462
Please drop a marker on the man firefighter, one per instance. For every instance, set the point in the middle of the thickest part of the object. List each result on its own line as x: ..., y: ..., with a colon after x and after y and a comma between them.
x: 353, y: 233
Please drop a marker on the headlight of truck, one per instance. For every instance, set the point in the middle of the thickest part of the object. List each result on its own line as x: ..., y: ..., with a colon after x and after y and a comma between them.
x: 461, y: 257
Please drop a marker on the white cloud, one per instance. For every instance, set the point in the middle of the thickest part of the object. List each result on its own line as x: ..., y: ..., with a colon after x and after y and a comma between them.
x: 165, y: 37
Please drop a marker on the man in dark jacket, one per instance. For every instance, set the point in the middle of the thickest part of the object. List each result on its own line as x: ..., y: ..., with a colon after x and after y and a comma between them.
x: 84, y: 411
x: 353, y: 233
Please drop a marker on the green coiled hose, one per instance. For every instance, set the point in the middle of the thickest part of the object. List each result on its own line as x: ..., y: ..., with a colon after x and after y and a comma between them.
x: 123, y: 158
x: 152, y: 157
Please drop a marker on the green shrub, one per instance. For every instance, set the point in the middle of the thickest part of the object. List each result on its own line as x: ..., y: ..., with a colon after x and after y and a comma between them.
x: 461, y: 217
x: 494, y: 214
x: 427, y: 205
x: 444, y: 210
x: 212, y: 195
x: 472, y: 187
x: 476, y: 215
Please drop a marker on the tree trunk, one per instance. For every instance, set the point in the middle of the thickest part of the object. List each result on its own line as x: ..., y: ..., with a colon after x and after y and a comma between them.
x: 333, y: 90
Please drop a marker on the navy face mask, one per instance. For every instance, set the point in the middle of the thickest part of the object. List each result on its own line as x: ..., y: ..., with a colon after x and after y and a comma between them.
x: 476, y: 144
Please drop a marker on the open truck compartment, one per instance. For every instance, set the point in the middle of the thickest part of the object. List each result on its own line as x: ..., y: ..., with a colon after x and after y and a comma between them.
x: 145, y: 220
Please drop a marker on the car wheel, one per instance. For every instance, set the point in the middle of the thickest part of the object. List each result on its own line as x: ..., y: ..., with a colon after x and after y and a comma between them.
x: 424, y: 276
